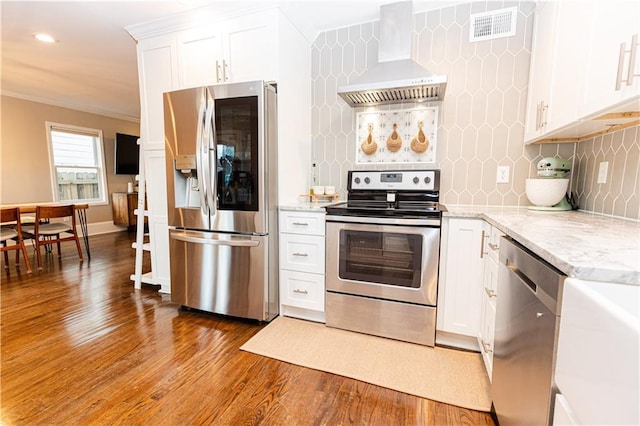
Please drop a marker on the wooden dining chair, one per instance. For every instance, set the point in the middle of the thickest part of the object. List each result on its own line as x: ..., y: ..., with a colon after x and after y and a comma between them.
x: 11, y: 230
x: 46, y: 232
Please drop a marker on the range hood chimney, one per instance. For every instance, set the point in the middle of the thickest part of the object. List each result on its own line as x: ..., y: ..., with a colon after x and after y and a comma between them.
x: 396, y: 78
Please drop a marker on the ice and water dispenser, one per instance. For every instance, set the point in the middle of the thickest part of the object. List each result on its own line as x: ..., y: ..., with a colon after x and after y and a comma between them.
x: 187, y: 189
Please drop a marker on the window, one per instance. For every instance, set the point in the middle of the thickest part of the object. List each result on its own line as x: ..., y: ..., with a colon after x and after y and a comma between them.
x: 77, y: 164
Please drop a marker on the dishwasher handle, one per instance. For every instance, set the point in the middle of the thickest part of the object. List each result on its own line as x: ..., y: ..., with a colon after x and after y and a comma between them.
x: 544, y: 280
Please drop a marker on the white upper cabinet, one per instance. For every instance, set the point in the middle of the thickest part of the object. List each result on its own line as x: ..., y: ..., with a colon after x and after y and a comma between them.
x: 541, y: 68
x: 569, y: 61
x: 576, y: 62
x: 157, y: 69
x: 611, y: 52
x: 239, y: 49
x: 200, y: 57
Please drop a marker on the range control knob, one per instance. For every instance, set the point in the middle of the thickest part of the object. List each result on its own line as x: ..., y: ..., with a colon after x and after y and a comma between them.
x: 357, y: 180
x: 416, y: 180
x: 367, y: 180
x: 427, y: 180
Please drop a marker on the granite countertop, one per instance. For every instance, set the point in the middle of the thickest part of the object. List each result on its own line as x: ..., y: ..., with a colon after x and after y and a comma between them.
x: 580, y: 244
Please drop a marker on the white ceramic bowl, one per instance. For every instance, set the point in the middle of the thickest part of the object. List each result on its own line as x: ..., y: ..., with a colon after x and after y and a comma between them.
x: 329, y: 190
x: 546, y: 192
x: 318, y: 190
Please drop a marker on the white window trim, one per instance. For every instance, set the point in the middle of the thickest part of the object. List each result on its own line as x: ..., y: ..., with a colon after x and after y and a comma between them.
x: 101, y: 160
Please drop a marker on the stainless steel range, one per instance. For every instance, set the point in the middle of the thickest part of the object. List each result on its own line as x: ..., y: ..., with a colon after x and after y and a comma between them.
x: 383, y: 248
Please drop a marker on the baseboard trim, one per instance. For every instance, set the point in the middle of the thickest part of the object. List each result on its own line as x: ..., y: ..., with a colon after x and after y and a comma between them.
x: 98, y: 228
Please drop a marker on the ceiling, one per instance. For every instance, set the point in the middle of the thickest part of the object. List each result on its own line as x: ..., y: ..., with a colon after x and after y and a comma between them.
x: 92, y: 66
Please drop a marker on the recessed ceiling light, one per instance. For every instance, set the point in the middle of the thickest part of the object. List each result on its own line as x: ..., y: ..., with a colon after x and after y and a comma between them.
x: 46, y: 38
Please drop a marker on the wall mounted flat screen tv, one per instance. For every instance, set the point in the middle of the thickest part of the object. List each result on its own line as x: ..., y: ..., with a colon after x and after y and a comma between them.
x: 127, y: 154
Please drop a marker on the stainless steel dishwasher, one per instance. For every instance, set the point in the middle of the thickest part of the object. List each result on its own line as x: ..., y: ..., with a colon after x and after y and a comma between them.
x: 527, y: 321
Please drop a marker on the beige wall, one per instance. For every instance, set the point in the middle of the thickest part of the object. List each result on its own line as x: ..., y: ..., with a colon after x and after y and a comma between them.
x: 24, y: 157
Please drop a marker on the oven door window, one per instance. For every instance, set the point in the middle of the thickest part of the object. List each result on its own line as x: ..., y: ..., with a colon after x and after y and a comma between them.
x: 381, y: 257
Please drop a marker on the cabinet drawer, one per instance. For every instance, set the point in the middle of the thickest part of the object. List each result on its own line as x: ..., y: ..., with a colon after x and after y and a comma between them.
x: 494, y: 242
x: 486, y: 335
x: 303, y: 253
x: 302, y: 290
x: 302, y: 223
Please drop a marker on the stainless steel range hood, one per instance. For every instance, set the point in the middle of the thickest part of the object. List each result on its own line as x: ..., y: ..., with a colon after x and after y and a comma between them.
x: 396, y: 78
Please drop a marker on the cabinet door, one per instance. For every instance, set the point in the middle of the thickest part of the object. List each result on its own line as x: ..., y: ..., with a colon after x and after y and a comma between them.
x: 119, y: 209
x: 541, y: 66
x: 463, y: 277
x: 200, y: 57
x: 157, y: 62
x: 569, y: 63
x: 251, y: 52
x: 613, y: 23
x: 132, y: 205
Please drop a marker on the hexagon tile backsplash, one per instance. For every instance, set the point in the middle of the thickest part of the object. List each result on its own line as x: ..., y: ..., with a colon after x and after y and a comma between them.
x: 481, y: 120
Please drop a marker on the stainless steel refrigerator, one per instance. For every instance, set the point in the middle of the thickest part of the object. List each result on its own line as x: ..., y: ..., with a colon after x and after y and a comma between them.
x: 222, y: 198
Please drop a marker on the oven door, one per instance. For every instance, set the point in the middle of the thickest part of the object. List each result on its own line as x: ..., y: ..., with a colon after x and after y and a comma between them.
x: 398, y: 263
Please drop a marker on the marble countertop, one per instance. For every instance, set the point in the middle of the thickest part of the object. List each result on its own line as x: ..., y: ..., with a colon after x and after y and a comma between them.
x: 580, y: 244
x: 317, y: 207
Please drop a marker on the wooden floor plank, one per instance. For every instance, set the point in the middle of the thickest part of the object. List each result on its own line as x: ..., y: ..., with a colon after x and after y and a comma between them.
x: 79, y: 345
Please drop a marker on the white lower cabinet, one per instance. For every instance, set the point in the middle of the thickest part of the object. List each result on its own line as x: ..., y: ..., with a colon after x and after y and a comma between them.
x: 488, y: 295
x: 467, y: 289
x: 302, y: 265
x: 460, y: 282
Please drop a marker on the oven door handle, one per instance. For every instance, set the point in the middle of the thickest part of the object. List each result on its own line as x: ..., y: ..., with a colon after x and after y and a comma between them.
x: 384, y: 220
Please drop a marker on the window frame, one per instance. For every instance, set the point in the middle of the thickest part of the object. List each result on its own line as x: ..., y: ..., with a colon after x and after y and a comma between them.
x: 100, y: 161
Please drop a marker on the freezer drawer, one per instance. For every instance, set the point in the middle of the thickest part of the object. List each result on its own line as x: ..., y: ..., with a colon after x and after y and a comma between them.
x: 222, y: 273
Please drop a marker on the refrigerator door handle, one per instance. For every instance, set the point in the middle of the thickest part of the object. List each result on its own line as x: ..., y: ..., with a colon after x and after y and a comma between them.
x: 233, y: 243
x: 210, y: 169
x: 199, y: 165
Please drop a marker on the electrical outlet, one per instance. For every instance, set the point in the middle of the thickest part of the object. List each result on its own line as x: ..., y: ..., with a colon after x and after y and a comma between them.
x: 602, y: 172
x: 503, y: 174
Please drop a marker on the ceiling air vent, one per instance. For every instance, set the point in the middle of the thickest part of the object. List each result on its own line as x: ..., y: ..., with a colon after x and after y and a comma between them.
x: 493, y: 24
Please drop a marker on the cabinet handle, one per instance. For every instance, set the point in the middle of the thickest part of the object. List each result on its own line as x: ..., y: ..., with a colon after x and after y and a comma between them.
x: 623, y: 50
x: 543, y: 114
x: 217, y: 71
x: 487, y: 347
x: 225, y: 68
x: 632, y: 59
x: 482, y: 252
x: 300, y: 223
x: 300, y: 254
x: 494, y: 247
x: 538, y: 109
x: 300, y: 291
x: 490, y: 293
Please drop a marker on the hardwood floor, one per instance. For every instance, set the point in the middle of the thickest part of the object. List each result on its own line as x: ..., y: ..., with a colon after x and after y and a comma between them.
x: 81, y: 346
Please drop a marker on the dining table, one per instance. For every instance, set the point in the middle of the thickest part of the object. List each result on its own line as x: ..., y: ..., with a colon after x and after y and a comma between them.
x: 79, y: 208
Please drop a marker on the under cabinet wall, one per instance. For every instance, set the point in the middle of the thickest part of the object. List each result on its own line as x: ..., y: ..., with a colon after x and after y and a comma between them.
x: 620, y: 194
